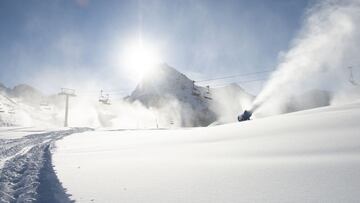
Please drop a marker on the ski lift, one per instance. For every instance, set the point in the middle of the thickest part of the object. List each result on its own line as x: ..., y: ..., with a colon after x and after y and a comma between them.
x: 44, y: 105
x: 351, y: 78
x: 195, y: 91
x: 207, y: 94
x: 104, y: 98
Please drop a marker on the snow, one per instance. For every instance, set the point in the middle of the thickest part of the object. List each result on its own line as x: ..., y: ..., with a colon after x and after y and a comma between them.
x: 14, y: 112
x: 19, y: 132
x: 309, y: 156
x: 26, y: 172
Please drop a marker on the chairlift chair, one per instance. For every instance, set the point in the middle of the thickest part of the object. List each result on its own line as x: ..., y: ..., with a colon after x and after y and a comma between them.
x: 207, y: 94
x: 1, y: 108
x: 11, y: 111
x: 104, y: 98
x: 44, y: 105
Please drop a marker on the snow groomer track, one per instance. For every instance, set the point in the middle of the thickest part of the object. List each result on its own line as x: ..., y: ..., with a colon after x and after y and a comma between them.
x: 26, y: 173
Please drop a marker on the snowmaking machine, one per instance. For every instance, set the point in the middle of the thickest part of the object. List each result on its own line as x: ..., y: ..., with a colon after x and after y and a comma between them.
x: 245, y: 116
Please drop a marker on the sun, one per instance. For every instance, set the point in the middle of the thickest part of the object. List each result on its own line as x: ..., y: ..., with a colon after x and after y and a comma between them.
x: 140, y: 58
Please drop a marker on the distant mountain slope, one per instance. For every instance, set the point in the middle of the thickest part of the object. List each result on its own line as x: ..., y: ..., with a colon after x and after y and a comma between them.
x: 3, y: 88
x: 27, y: 94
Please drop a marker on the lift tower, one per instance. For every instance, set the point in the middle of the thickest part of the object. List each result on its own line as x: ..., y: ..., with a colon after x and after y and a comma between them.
x: 67, y: 93
x: 351, y: 78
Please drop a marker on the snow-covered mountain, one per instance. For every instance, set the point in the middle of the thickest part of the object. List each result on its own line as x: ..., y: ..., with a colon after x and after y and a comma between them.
x: 3, y: 88
x: 186, y: 102
x: 27, y: 94
x: 24, y: 93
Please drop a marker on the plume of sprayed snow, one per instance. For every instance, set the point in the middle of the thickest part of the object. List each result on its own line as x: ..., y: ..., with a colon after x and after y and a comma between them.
x: 319, y: 56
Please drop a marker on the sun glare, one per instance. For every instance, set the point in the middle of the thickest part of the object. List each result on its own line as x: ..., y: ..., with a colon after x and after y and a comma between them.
x: 140, y: 58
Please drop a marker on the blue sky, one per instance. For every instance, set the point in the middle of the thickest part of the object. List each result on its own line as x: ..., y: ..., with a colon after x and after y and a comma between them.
x: 55, y: 43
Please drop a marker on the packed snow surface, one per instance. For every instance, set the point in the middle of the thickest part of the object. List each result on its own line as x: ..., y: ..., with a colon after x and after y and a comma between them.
x: 26, y: 172
x: 309, y: 156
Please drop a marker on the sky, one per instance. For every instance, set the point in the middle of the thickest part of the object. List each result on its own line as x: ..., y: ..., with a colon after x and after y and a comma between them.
x: 81, y: 43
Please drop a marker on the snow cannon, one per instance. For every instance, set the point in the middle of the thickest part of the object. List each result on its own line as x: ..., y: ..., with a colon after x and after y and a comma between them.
x: 245, y: 116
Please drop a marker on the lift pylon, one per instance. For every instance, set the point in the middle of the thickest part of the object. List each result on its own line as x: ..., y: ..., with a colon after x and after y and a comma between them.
x: 67, y: 93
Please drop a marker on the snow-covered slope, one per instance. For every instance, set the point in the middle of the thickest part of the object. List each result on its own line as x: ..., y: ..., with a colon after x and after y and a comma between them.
x: 9, y: 114
x: 26, y: 173
x: 196, y: 105
x: 16, y: 112
x: 308, y: 156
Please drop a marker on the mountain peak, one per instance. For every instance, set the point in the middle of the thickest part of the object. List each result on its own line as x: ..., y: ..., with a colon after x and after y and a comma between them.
x: 3, y: 87
x: 163, y: 72
x: 162, y: 79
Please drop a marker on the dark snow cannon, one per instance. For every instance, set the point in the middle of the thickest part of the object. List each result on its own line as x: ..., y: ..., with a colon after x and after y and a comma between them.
x: 245, y: 116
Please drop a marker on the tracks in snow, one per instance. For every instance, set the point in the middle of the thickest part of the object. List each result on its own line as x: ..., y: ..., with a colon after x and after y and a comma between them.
x: 27, y: 174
